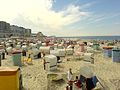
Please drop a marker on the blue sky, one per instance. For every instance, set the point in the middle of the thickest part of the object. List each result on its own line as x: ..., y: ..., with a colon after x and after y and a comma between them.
x: 64, y: 17
x: 104, y: 19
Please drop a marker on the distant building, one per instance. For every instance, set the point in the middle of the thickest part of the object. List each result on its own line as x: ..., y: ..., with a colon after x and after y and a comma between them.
x: 20, y: 31
x: 7, y: 30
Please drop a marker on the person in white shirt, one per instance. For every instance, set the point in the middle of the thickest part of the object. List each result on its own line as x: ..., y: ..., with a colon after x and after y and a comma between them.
x: 70, y: 77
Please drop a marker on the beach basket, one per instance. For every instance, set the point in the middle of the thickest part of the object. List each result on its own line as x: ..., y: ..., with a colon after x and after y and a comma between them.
x: 62, y: 52
x: 69, y: 51
x: 18, y: 47
x: 82, y: 47
x: 107, y: 51
x: 2, y: 51
x: 10, y: 78
x: 16, y: 57
x: 89, y: 57
x: 116, y: 55
x: 51, y: 62
x: 54, y: 52
x: 9, y: 50
x: 0, y: 58
x: 45, y: 49
x: 96, y: 46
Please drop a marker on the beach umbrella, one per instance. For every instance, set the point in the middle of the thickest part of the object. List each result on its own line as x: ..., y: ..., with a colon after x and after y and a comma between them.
x: 86, y: 72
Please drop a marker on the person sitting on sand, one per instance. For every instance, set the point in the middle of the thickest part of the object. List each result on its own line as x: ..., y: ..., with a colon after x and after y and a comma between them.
x: 70, y: 77
x: 29, y: 59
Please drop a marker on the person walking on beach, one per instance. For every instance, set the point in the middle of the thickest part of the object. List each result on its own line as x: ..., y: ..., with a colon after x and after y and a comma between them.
x: 70, y: 77
x: 44, y: 62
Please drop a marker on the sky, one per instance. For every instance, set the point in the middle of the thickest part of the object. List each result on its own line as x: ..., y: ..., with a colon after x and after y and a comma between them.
x: 64, y: 17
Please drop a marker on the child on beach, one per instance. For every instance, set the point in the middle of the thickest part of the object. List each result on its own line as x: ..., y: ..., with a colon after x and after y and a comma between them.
x: 29, y: 60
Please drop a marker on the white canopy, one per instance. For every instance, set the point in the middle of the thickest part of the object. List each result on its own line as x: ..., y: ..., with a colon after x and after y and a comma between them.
x: 86, y: 72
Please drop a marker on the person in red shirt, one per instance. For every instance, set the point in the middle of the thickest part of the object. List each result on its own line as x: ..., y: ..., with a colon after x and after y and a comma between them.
x: 78, y: 84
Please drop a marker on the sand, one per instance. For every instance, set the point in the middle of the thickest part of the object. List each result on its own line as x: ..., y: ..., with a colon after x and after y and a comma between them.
x: 108, y: 71
x: 35, y: 78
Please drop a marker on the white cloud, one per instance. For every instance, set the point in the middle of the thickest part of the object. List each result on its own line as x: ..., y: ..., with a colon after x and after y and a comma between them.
x: 87, y: 5
x: 38, y: 14
x: 98, y: 18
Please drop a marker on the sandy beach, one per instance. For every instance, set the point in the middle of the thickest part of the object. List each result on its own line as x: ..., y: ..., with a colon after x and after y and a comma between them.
x: 59, y: 44
x: 35, y: 77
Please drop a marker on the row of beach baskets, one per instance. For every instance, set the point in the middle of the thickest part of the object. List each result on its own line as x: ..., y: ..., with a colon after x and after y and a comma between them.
x: 112, y: 52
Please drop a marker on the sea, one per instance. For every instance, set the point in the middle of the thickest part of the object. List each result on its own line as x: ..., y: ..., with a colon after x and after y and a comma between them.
x: 95, y: 37
x: 110, y: 38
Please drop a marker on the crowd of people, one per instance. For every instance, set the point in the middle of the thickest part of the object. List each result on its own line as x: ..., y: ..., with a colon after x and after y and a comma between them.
x: 80, y: 83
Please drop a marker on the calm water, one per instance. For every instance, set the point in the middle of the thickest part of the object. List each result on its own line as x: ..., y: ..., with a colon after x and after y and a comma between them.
x: 97, y: 37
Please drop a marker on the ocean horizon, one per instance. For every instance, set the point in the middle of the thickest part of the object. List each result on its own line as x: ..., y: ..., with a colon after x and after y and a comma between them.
x: 94, y: 37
